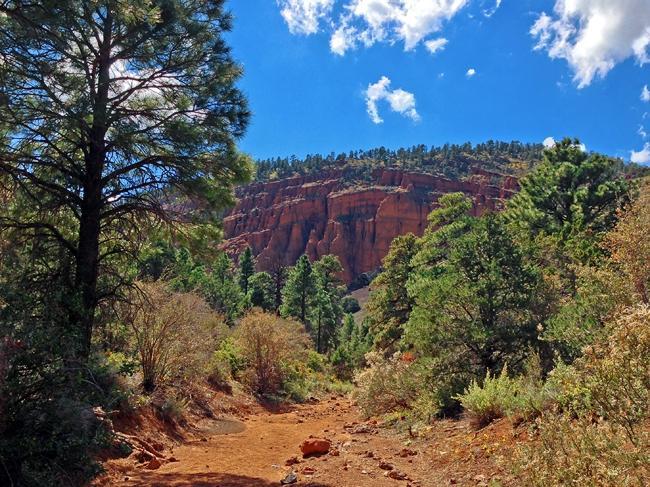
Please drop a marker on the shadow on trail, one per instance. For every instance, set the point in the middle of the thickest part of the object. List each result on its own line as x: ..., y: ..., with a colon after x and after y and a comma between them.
x: 154, y: 479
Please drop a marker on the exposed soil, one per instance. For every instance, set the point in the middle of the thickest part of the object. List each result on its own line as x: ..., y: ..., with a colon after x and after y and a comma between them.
x: 254, y: 450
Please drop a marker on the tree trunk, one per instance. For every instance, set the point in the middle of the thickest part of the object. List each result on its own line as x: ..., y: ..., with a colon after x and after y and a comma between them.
x: 87, y: 268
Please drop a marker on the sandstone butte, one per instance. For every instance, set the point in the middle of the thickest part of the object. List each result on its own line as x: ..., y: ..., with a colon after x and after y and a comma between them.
x: 318, y: 215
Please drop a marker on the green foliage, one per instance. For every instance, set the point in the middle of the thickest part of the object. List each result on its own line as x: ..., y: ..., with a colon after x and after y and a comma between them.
x: 350, y: 305
x: 602, y: 436
x: 522, y: 398
x: 246, y: 269
x: 452, y: 160
x: 299, y: 291
x: 354, y: 341
x: 389, y: 384
x: 101, y: 143
x: 390, y: 305
x: 327, y: 311
x: 261, y: 291
x: 491, y: 400
x: 475, y: 309
x: 313, y: 294
x: 573, y: 196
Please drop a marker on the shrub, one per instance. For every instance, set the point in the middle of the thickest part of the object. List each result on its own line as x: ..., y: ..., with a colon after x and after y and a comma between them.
x: 571, y: 451
x: 220, y: 372
x: 602, y: 437
x: 173, y: 408
x: 269, y: 343
x: 492, y: 400
x: 174, y: 333
x: 523, y: 398
x: 388, y: 385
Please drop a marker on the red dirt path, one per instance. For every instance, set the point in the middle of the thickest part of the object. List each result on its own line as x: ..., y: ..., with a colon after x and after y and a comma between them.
x: 448, y: 453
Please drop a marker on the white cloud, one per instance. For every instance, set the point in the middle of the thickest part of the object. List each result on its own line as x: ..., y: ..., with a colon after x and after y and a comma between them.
x: 489, y: 12
x: 549, y: 142
x: 470, y: 72
x: 642, y: 132
x: 645, y: 94
x: 594, y: 35
x: 304, y: 16
x: 400, y: 101
x: 643, y: 156
x: 366, y: 22
x: 435, y: 45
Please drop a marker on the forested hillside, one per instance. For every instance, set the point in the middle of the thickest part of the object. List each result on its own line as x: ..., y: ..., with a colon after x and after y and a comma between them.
x: 450, y: 160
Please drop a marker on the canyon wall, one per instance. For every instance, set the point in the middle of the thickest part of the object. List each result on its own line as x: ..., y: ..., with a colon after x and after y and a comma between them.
x: 321, y: 214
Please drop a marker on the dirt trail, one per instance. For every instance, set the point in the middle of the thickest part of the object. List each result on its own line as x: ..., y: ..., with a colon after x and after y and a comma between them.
x: 256, y: 456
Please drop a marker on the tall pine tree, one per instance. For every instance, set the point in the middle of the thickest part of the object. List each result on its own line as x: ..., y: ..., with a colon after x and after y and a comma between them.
x: 246, y: 268
x: 108, y: 108
x: 299, y: 291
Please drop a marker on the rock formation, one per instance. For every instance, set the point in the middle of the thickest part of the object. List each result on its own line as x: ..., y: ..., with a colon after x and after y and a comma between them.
x: 323, y: 214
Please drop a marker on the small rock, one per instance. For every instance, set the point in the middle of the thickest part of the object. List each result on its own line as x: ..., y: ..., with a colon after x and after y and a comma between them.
x: 406, y: 452
x: 292, y: 461
x: 153, y: 464
x: 291, y: 478
x: 396, y: 475
x: 173, y: 459
x: 315, y: 446
x: 385, y: 466
x: 335, y: 453
x: 309, y: 470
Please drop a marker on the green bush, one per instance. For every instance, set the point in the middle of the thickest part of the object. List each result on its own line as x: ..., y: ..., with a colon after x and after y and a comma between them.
x: 219, y: 372
x: 388, y: 385
x: 602, y: 437
x: 493, y: 399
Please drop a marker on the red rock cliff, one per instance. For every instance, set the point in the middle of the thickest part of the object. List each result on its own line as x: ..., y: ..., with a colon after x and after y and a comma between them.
x: 318, y: 215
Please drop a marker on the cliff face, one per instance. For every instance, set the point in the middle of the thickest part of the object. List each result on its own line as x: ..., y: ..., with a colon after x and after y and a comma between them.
x: 318, y: 215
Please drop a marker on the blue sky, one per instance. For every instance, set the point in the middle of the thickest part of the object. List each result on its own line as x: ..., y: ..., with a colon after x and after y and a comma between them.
x: 309, y: 66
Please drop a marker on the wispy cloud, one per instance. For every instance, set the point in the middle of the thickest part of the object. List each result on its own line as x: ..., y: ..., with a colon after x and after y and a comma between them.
x: 645, y: 94
x: 367, y: 22
x: 471, y: 72
x: 304, y: 16
x: 435, y: 45
x: 400, y: 101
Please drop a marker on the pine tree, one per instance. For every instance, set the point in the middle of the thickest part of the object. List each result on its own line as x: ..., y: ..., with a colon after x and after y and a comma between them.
x: 261, y: 291
x: 246, y: 268
x: 106, y: 107
x: 573, y: 196
x: 299, y: 291
x: 328, y: 301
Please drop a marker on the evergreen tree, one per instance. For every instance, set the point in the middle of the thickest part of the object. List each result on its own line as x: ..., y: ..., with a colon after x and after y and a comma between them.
x: 299, y: 291
x: 246, y: 268
x: 102, y: 115
x: 327, y: 304
x: 221, y: 290
x: 477, y: 311
x: 573, y: 197
x: 353, y: 342
x: 261, y: 291
x: 390, y: 305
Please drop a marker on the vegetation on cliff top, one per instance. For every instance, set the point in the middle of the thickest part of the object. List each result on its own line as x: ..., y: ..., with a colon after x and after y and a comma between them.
x: 455, y: 161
